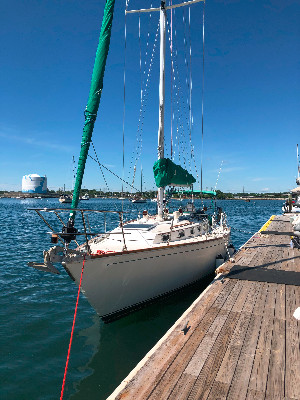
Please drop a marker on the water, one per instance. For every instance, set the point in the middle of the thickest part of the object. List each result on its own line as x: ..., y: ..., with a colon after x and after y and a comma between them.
x: 36, y: 309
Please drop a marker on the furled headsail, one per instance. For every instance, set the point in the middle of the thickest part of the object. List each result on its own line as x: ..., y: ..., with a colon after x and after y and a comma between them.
x: 94, y: 98
x: 166, y: 172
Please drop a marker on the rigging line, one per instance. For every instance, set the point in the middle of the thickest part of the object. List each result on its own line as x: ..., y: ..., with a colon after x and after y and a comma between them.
x: 298, y: 163
x: 99, y: 165
x: 188, y: 76
x: 187, y: 81
x: 147, y: 47
x: 117, y: 176
x: 124, y: 103
x: 191, y: 92
x: 140, y: 128
x: 145, y: 95
x: 171, y: 48
x: 145, y: 92
x: 140, y: 56
x: 218, y: 175
x: 178, y: 96
x: 143, y: 77
x: 185, y: 50
x: 74, y: 173
x: 72, y: 332
x: 180, y: 88
x: 191, y: 82
x: 202, y: 122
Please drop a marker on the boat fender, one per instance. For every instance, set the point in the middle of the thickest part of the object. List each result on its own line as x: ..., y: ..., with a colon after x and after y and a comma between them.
x: 219, y: 260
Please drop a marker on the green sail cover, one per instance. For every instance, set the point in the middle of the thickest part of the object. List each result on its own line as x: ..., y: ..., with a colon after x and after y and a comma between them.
x: 94, y: 98
x: 168, y: 173
x: 211, y: 192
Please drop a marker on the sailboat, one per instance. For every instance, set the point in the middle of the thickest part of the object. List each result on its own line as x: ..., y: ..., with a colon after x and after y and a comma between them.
x: 85, y: 197
x: 64, y: 197
x: 151, y: 256
x: 139, y: 199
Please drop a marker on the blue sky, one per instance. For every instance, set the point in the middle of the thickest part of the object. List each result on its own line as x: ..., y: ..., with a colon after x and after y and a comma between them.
x: 251, y: 92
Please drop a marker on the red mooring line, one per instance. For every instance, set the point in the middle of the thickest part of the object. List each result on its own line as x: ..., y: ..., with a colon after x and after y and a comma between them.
x: 71, y: 338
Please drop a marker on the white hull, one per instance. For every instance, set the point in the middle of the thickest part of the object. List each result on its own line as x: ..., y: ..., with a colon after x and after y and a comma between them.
x: 65, y: 200
x: 139, y: 201
x: 114, y: 283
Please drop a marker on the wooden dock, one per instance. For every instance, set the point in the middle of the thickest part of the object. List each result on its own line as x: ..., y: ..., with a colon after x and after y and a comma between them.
x: 239, y: 339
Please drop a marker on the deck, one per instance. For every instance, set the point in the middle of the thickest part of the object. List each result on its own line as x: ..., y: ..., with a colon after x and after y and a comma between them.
x: 239, y: 339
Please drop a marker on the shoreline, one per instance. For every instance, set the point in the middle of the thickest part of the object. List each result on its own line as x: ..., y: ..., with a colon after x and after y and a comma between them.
x: 20, y: 195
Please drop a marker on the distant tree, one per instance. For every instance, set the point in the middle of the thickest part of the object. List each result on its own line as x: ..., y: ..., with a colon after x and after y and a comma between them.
x: 220, y: 195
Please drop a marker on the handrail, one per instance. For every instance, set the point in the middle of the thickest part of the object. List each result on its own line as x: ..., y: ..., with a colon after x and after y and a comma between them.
x: 78, y: 209
x: 85, y: 233
x: 89, y: 233
x: 47, y: 223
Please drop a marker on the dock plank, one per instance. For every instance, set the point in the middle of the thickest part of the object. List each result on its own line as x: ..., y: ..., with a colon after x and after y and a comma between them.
x: 259, y: 375
x: 230, y: 359
x: 210, y: 368
x: 280, y: 302
x: 276, y: 373
x: 292, y: 386
x: 219, y: 391
x: 241, y: 377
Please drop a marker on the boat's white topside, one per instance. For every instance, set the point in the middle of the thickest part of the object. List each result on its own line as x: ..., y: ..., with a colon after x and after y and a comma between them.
x: 148, y: 232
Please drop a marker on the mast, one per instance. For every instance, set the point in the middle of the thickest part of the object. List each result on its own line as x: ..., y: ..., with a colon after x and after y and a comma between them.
x: 298, y: 161
x: 91, y: 110
x: 141, y: 181
x: 162, y: 22
x: 298, y: 168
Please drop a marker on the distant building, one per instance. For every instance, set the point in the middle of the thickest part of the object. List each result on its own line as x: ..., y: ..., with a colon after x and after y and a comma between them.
x: 34, y: 183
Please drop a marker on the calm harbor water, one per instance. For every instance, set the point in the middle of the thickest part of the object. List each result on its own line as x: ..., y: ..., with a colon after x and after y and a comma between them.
x: 36, y: 309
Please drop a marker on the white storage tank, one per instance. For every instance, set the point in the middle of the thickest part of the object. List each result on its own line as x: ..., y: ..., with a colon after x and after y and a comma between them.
x: 34, y: 183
